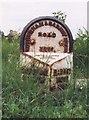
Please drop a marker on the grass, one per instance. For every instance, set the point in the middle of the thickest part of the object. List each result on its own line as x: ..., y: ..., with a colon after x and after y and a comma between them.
x: 23, y: 96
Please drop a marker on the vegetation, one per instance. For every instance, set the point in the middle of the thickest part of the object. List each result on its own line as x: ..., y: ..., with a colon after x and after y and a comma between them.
x: 81, y: 49
x: 60, y: 15
x: 23, y: 96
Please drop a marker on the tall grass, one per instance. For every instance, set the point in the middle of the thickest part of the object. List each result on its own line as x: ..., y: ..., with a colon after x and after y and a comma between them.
x: 23, y: 96
x: 81, y: 52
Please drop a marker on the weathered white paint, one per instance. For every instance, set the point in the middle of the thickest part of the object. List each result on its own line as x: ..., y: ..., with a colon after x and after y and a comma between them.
x: 48, y: 57
x: 47, y: 41
x: 57, y: 59
x: 53, y: 60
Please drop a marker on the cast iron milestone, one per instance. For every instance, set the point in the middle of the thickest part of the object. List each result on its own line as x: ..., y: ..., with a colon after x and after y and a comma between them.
x: 48, y: 42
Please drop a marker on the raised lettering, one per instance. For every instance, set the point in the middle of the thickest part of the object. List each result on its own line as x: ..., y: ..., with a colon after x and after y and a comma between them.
x: 39, y: 34
x: 50, y: 23
x: 44, y: 35
x: 33, y: 28
x: 36, y: 26
x: 40, y: 24
x: 46, y: 23
x: 54, y: 35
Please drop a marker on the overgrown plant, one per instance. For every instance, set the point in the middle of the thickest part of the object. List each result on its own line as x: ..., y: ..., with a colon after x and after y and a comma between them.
x: 60, y: 15
x: 81, y: 59
x: 23, y: 96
